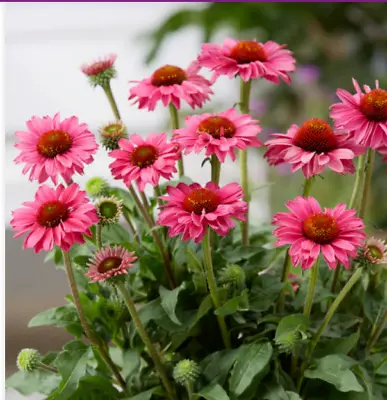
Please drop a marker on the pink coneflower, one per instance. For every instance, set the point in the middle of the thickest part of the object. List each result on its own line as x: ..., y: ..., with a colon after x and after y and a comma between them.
x: 59, y: 216
x: 219, y: 134
x: 313, y: 147
x: 364, y: 115
x: 249, y: 59
x: 50, y: 148
x: 335, y: 232
x: 170, y: 84
x: 191, y: 208
x: 100, y: 71
x: 110, y: 262
x: 375, y: 251
x: 144, y: 160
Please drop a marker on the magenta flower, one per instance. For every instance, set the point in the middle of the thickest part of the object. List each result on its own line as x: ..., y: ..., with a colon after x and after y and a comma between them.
x: 313, y: 147
x: 50, y: 148
x: 144, y: 160
x: 375, y: 251
x: 249, y: 59
x: 59, y: 216
x: 191, y: 209
x: 219, y: 134
x: 171, y: 84
x: 336, y: 233
x: 99, y: 66
x: 364, y: 115
x: 109, y: 262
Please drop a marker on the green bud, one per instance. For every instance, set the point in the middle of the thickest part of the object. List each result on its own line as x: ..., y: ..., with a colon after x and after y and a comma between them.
x: 186, y: 371
x: 96, y: 187
x: 28, y: 360
x: 233, y: 276
x: 109, y: 210
x: 111, y: 134
x: 103, y: 78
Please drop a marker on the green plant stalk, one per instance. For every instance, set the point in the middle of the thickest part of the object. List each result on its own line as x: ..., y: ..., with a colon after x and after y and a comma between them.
x: 311, y: 288
x: 340, y: 297
x: 189, y: 389
x: 377, y: 332
x: 158, y: 194
x: 146, y: 339
x: 167, y: 262
x: 245, y: 90
x: 212, y: 287
x: 126, y: 215
x: 89, y: 334
x: 109, y: 94
x: 98, y: 235
x: 47, y: 368
x: 287, y: 262
x: 175, y: 125
x: 367, y: 182
x: 146, y: 204
x: 352, y: 204
x: 215, y: 169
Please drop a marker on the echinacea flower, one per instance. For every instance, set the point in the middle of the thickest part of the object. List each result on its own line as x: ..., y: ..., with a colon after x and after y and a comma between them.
x: 249, y: 59
x: 59, y: 216
x: 190, y: 209
x: 110, y: 262
x: 109, y: 210
x: 219, y: 134
x: 100, y: 71
x: 336, y: 233
x: 111, y: 134
x: 375, y: 251
x: 364, y: 115
x: 144, y: 160
x: 52, y: 148
x: 313, y: 147
x: 171, y: 84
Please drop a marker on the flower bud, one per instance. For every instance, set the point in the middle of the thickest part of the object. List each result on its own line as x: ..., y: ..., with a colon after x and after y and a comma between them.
x: 109, y: 210
x: 186, y: 371
x: 287, y: 343
x: 373, y: 252
x: 97, y: 187
x: 111, y: 135
x: 233, y: 276
x: 101, y: 71
x: 28, y: 360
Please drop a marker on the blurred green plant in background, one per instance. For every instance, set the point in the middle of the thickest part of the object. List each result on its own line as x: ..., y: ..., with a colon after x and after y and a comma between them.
x: 331, y: 42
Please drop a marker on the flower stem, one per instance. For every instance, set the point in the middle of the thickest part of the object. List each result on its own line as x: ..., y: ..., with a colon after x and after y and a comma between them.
x: 89, y: 334
x: 129, y: 221
x: 156, y: 237
x: 98, y: 234
x: 378, y: 331
x: 146, y: 339
x: 213, y: 289
x: 215, y: 169
x: 47, y: 368
x: 287, y: 262
x: 340, y: 297
x: 189, y: 389
x: 145, y: 202
x: 175, y: 125
x: 245, y: 90
x: 311, y: 288
x: 109, y: 94
x: 367, y: 181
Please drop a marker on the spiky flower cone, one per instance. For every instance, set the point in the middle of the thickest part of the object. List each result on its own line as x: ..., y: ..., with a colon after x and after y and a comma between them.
x: 97, y: 187
x: 28, y: 360
x: 111, y: 135
x: 109, y: 210
x: 186, y: 372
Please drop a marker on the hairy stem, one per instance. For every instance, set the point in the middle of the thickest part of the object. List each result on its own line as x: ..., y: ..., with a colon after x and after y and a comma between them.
x: 109, y: 94
x: 215, y: 169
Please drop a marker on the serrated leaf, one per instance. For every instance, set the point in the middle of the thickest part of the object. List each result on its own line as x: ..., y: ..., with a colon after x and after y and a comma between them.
x: 169, y: 300
x: 213, y: 392
x: 251, y: 362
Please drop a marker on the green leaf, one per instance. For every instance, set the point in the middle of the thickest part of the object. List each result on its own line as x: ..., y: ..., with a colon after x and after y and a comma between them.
x: 251, y: 363
x: 131, y: 362
x: 82, y: 260
x: 58, y: 316
x: 115, y: 233
x: 293, y: 396
x: 338, y: 345
x: 335, y: 369
x: 95, y: 388
x: 71, y: 364
x: 147, y: 395
x: 216, y: 366
x: 169, y: 300
x: 290, y: 330
x: 237, y: 303
x: 213, y: 392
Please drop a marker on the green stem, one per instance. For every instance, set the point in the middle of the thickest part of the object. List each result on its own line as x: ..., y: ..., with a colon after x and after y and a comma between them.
x: 47, y: 368
x: 245, y: 90
x: 145, y: 202
x: 287, y: 262
x: 378, y: 331
x: 158, y: 194
x: 146, y: 339
x: 215, y: 169
x: 98, y: 235
x: 129, y: 221
x: 175, y: 125
x: 367, y: 181
x: 189, y: 389
x: 109, y: 94
x: 89, y: 334
x: 167, y: 262
x: 311, y: 288
x: 340, y: 297
x: 213, y: 289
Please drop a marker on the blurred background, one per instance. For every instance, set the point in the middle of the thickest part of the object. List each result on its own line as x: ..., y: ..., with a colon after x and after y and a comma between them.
x: 47, y: 42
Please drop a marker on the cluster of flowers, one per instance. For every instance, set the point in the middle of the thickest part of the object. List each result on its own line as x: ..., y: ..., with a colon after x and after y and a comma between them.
x: 52, y: 148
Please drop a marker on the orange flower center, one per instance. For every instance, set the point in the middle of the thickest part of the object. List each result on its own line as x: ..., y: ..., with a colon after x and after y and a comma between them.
x: 375, y: 252
x: 109, y: 264
x: 168, y: 75
x: 201, y: 199
x: 320, y: 228
x: 374, y: 105
x: 144, y: 155
x: 247, y: 51
x: 315, y: 135
x: 52, y: 143
x: 52, y: 213
x: 217, y: 127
